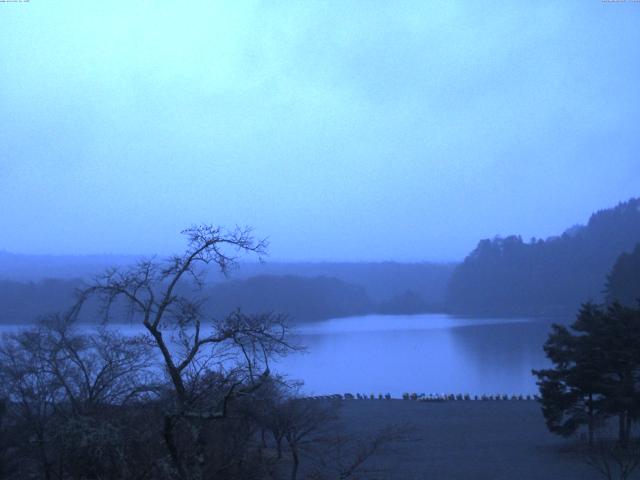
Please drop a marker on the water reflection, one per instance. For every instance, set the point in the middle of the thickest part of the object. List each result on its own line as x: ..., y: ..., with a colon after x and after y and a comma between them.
x: 431, y: 353
x: 421, y: 353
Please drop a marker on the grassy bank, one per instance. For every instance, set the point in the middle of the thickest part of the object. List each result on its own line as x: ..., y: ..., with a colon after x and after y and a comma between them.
x: 464, y: 440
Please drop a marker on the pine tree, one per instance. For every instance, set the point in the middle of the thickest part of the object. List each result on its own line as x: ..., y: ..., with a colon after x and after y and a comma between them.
x: 571, y: 390
x: 596, y: 371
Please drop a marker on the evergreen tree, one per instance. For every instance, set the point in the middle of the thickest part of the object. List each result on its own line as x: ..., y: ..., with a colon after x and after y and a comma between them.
x: 596, y: 371
x: 623, y: 283
x: 619, y: 358
x: 571, y: 390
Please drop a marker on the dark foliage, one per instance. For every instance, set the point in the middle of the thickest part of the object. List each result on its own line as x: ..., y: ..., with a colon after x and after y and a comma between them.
x: 623, y: 283
x: 24, y: 302
x: 596, y: 371
x: 553, y: 276
x: 382, y: 281
x: 300, y: 298
x: 409, y: 302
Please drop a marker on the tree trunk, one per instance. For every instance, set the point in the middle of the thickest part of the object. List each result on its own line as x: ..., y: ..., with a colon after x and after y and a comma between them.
x: 591, y: 425
x: 201, y: 447
x: 171, y: 446
x: 623, y: 431
x: 279, y: 446
x: 46, y: 465
x: 296, y: 462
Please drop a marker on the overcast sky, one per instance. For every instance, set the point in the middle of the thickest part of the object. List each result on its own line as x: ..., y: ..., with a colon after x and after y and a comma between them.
x: 341, y: 130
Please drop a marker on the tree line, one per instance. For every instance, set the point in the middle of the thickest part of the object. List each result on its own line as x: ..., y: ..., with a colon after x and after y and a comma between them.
x: 302, y: 299
x: 552, y: 276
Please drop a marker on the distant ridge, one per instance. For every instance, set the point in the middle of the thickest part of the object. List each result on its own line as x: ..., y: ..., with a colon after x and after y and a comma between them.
x: 382, y: 280
x: 34, y: 285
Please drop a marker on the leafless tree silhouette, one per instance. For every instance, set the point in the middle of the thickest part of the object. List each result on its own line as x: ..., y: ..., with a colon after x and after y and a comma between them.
x: 209, y: 361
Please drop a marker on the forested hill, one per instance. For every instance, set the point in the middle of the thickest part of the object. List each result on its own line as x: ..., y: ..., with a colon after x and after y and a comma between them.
x: 545, y: 277
x: 383, y: 281
x: 300, y: 298
x: 33, y: 285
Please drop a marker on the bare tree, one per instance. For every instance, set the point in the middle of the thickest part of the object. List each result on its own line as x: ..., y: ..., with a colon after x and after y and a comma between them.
x: 31, y: 391
x: 208, y: 363
x: 95, y: 369
x: 317, y: 443
x: 348, y: 456
x: 5, y: 447
x: 62, y: 385
x: 292, y: 419
x: 186, y: 399
x: 302, y: 420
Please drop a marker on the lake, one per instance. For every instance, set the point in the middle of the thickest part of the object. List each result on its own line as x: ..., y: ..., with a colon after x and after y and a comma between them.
x: 429, y: 353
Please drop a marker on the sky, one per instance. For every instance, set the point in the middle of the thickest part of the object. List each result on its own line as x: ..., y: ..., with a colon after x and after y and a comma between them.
x: 345, y: 130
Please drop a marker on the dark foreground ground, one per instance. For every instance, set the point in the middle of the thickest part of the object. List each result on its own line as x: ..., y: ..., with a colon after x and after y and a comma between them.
x: 465, y: 440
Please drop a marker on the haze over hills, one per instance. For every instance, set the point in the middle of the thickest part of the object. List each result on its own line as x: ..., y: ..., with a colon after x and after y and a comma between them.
x: 382, y: 280
x: 501, y: 276
x: 36, y: 285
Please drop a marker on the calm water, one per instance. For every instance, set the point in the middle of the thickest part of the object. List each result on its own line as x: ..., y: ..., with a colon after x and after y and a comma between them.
x: 431, y: 353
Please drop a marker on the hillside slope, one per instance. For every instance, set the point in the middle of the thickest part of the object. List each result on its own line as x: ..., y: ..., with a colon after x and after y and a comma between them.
x: 545, y: 277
